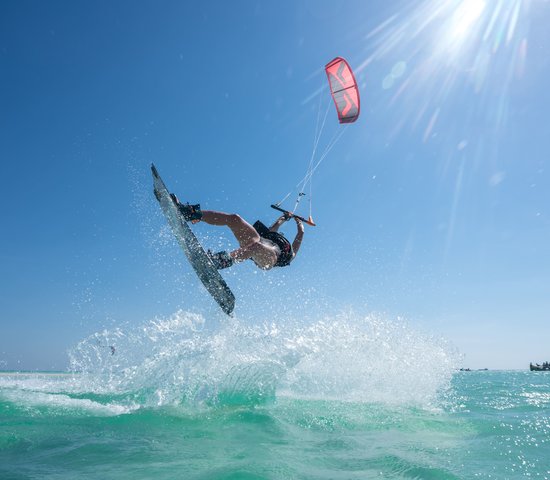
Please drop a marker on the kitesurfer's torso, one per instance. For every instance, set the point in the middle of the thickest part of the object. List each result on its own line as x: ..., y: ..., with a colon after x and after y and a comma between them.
x: 275, y: 242
x: 266, y: 255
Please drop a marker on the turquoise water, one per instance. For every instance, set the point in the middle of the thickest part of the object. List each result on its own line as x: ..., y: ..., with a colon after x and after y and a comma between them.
x: 341, y: 399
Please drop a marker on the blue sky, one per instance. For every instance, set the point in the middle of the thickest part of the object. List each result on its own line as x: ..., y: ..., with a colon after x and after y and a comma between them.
x: 433, y: 207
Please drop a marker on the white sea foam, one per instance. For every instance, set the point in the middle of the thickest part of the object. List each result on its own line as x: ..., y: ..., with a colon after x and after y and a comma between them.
x: 62, y: 403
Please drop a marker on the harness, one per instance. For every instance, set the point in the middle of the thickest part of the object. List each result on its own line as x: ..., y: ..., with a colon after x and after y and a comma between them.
x: 286, y: 255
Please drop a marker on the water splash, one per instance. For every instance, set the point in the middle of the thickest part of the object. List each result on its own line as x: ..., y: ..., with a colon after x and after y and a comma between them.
x: 180, y: 361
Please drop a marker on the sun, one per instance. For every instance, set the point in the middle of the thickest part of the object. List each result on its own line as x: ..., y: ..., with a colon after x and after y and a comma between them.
x: 465, y: 16
x: 459, y: 26
x: 439, y: 52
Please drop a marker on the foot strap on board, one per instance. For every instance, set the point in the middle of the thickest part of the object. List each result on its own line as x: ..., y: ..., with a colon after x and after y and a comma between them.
x: 221, y: 260
x: 191, y: 213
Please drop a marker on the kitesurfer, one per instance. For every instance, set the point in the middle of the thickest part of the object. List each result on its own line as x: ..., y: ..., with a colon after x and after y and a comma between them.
x: 266, y: 247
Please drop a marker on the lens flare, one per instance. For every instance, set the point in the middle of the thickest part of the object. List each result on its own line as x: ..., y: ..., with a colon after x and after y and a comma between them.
x: 451, y: 48
x: 463, y: 60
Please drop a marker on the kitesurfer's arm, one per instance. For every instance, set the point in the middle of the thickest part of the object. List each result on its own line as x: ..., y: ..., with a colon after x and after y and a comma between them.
x: 282, y: 219
x: 299, y: 236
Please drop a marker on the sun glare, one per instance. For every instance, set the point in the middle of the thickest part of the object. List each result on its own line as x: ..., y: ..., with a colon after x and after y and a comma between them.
x: 468, y: 12
x: 439, y: 48
x: 458, y: 28
x: 449, y: 68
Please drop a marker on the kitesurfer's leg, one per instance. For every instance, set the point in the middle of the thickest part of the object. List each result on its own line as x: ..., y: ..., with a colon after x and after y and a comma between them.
x: 251, y: 246
x: 243, y: 231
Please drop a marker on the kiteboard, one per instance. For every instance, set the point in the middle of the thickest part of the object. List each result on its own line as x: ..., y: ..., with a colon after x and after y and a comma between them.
x: 199, y: 260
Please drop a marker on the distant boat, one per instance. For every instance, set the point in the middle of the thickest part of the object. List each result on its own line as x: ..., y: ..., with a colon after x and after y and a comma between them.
x: 545, y: 367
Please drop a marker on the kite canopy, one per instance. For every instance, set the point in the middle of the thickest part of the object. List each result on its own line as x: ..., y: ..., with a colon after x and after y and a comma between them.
x: 343, y: 88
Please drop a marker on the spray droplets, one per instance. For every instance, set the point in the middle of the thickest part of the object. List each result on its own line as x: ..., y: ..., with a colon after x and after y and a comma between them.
x: 180, y: 360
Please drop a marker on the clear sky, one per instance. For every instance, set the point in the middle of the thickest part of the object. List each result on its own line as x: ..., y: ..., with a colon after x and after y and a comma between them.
x: 433, y: 207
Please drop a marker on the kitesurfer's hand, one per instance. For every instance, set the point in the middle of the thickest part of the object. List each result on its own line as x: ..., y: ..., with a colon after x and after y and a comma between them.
x: 299, y: 224
x: 286, y: 216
